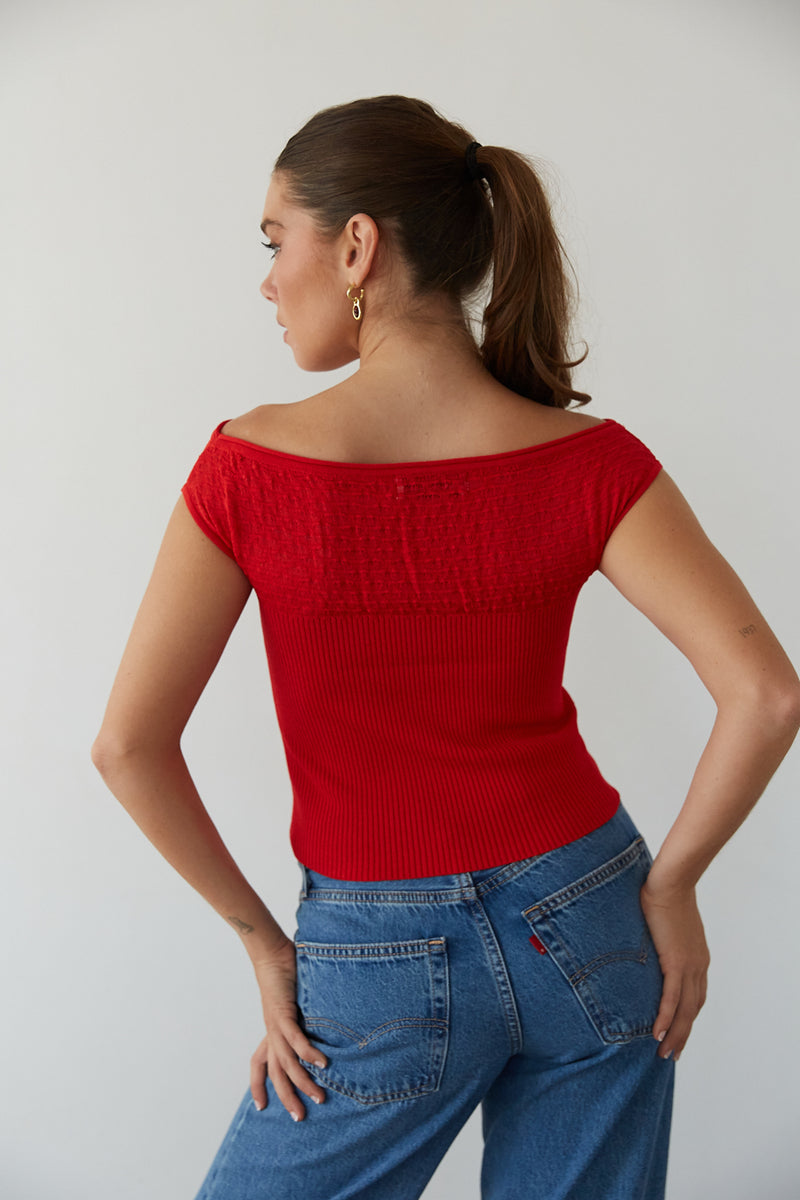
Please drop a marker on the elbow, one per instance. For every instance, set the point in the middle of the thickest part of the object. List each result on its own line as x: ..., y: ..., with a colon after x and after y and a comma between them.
x: 787, y: 708
x: 113, y: 753
x: 102, y: 754
x: 106, y: 753
x: 774, y: 708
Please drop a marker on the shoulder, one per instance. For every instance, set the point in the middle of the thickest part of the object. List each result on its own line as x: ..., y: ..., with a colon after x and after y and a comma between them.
x: 296, y: 427
x: 614, y: 443
x: 261, y: 423
x: 528, y: 422
x: 620, y: 440
x: 252, y: 425
x: 564, y: 421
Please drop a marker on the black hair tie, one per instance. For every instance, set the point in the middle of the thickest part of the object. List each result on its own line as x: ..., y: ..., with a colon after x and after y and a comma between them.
x: 473, y: 170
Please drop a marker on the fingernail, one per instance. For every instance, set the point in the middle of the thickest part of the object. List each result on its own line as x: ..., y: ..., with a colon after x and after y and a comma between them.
x: 294, y: 1117
x: 260, y: 1107
x: 677, y: 1056
x: 662, y: 1035
x: 667, y: 1055
x: 317, y: 1099
x: 318, y: 1062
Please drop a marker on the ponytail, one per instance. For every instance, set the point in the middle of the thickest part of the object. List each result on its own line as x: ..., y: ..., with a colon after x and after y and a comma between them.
x: 421, y: 179
x: 526, y: 321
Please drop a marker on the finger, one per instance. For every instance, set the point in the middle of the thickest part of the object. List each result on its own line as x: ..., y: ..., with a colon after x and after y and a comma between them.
x: 692, y: 1000
x: 302, y: 1080
x: 303, y: 1048
x: 286, y: 1058
x: 258, y: 1081
x: 670, y: 999
x: 678, y: 1035
x: 285, y: 1091
x: 290, y: 1035
x: 703, y: 991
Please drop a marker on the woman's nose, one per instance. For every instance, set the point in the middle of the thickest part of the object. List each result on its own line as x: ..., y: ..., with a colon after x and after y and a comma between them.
x: 267, y: 290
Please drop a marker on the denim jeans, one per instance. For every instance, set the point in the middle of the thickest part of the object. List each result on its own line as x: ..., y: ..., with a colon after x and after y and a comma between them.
x: 529, y: 988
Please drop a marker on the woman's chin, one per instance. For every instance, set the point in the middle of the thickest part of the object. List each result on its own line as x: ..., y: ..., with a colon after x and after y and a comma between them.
x: 322, y: 362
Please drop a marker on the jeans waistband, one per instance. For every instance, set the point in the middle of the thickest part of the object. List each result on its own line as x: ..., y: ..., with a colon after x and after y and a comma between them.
x: 436, y: 888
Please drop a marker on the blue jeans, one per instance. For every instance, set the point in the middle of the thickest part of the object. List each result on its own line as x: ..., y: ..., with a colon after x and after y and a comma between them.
x: 530, y: 989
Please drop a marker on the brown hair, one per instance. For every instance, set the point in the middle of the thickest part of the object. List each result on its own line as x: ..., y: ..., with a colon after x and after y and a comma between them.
x: 403, y: 164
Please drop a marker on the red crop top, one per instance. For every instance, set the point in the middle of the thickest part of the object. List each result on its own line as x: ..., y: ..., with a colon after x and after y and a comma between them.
x: 415, y: 619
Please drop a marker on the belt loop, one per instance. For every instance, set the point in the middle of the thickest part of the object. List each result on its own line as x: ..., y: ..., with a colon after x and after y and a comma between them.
x: 304, y: 886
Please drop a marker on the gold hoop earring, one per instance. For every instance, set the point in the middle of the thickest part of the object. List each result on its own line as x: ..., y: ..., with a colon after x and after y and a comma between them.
x: 356, y: 300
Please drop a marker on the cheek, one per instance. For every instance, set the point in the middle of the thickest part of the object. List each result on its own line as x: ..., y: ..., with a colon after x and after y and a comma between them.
x: 325, y: 352
x: 330, y: 338
x: 333, y: 310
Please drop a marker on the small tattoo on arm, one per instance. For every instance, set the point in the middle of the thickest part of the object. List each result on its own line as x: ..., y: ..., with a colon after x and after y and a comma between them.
x: 242, y: 926
x: 747, y: 630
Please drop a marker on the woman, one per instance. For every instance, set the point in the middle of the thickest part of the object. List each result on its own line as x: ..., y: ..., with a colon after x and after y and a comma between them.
x: 480, y: 919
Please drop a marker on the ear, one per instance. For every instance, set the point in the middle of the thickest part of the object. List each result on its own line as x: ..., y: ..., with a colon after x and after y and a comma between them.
x: 360, y: 239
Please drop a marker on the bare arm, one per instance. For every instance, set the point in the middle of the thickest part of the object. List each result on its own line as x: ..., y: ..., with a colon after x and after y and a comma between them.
x: 193, y: 601
x: 660, y: 559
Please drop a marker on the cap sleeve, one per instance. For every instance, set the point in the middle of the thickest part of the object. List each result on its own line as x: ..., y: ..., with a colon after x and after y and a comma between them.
x: 207, y: 493
x: 636, y: 469
x: 620, y: 474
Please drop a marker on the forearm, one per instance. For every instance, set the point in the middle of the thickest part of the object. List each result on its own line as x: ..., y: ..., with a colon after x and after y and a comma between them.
x: 747, y: 743
x: 156, y: 789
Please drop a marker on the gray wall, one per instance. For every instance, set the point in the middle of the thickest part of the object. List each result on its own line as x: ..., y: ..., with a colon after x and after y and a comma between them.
x: 137, y: 146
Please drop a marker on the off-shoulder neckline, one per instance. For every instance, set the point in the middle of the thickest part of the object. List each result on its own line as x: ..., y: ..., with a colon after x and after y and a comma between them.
x: 285, y: 456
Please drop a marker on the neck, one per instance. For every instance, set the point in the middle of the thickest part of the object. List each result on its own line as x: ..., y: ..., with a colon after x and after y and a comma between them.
x: 423, y: 359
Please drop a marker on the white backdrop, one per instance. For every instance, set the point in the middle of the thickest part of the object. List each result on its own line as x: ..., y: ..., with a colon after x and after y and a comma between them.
x: 137, y: 146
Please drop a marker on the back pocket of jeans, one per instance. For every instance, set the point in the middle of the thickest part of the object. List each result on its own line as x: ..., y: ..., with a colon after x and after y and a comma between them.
x: 379, y: 1012
x: 594, y: 930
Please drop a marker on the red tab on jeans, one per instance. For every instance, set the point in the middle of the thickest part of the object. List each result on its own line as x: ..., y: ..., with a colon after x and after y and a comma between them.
x: 534, y: 941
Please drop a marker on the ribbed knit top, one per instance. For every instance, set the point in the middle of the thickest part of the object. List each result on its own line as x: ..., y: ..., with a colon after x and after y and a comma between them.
x: 415, y: 618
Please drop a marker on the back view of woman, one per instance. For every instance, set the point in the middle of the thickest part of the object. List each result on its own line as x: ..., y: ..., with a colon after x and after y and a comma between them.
x: 480, y: 920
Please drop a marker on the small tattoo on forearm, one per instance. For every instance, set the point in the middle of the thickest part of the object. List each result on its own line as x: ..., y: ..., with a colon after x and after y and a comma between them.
x: 747, y: 630
x: 242, y: 926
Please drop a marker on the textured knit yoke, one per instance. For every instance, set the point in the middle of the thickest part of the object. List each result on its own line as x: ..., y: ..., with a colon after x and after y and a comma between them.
x: 416, y: 618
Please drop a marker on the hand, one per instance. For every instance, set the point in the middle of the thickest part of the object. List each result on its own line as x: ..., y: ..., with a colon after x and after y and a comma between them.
x: 277, y: 1054
x: 677, y: 931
